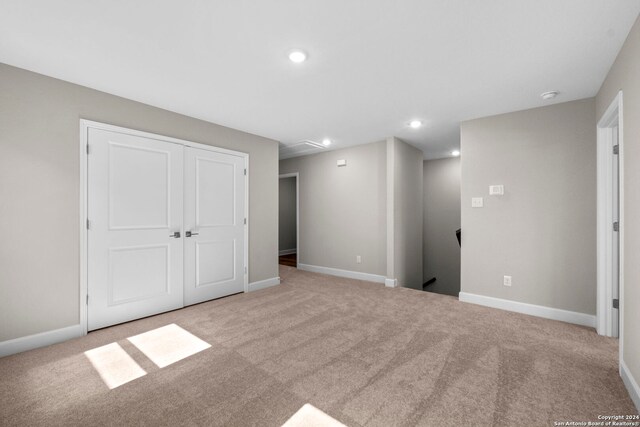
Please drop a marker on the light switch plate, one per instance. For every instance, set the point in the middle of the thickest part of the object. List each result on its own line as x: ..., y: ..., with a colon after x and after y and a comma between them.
x: 477, y: 202
x: 496, y: 190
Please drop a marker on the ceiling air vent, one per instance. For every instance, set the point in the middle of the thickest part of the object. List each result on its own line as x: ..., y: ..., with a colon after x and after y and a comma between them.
x: 302, y: 148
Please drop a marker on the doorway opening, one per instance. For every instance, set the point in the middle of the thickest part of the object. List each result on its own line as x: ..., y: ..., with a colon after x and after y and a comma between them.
x: 288, y: 220
x: 610, y: 222
x: 441, y: 244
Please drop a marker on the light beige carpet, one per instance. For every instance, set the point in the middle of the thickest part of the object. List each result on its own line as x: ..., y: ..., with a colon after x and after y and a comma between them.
x: 359, y: 352
x: 310, y: 416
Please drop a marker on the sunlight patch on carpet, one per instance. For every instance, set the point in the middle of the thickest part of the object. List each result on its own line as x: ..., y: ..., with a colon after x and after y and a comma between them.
x: 168, y: 344
x: 114, y: 365
x: 310, y: 416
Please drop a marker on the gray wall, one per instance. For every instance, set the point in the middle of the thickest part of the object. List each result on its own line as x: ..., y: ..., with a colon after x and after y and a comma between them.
x: 408, y: 214
x: 543, y: 230
x: 287, y: 215
x: 625, y: 75
x: 39, y: 189
x: 441, y: 220
x: 342, y: 209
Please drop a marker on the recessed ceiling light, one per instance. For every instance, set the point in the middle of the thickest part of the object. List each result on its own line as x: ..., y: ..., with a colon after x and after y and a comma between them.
x: 326, y: 142
x: 297, y: 56
x: 549, y: 95
x: 455, y: 153
x: 415, y: 124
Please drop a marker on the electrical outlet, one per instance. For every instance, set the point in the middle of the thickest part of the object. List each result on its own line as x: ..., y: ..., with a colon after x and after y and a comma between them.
x: 358, y: 259
x: 507, y: 281
x: 477, y: 202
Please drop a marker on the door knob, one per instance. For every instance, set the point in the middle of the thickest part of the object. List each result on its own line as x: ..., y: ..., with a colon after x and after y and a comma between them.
x: 175, y: 235
x: 189, y: 234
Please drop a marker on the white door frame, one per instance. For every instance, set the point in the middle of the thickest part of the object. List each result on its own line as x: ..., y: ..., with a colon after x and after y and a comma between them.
x: 295, y: 175
x: 604, y: 311
x: 85, y: 125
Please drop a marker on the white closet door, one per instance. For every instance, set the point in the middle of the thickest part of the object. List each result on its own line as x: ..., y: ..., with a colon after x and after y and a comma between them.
x: 135, y: 205
x: 214, y: 225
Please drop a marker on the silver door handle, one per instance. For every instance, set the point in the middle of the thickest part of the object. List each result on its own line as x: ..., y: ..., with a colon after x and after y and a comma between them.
x: 175, y: 235
x: 189, y: 234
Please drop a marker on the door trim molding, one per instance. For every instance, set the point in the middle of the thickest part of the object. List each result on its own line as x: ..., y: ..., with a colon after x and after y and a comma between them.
x: 390, y: 210
x: 391, y: 283
x: 295, y: 175
x: 85, y: 125
x: 604, y: 310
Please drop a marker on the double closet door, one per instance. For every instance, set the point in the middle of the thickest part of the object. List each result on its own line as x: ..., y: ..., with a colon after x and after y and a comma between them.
x: 166, y: 226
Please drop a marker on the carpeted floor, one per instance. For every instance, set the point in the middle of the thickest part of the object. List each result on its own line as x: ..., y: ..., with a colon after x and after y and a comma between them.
x: 362, y: 353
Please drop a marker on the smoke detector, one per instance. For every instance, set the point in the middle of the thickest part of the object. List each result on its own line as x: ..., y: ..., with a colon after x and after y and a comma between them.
x: 549, y: 95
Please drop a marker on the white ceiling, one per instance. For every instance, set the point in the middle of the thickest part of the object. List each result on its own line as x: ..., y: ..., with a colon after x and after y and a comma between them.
x: 373, y: 64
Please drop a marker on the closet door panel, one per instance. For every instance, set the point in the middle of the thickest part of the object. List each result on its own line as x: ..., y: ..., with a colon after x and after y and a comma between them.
x: 214, y: 224
x: 135, y: 205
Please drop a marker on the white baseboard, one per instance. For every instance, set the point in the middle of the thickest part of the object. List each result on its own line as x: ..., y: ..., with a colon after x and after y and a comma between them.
x: 631, y: 384
x: 343, y: 273
x: 391, y: 283
x: 287, y: 251
x: 18, y: 345
x: 530, y: 309
x: 261, y: 284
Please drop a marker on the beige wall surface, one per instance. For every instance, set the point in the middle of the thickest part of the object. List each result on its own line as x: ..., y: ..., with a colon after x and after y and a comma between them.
x: 287, y: 214
x: 39, y: 189
x: 441, y: 220
x: 625, y: 75
x: 542, y: 232
x: 342, y: 209
x: 408, y: 214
